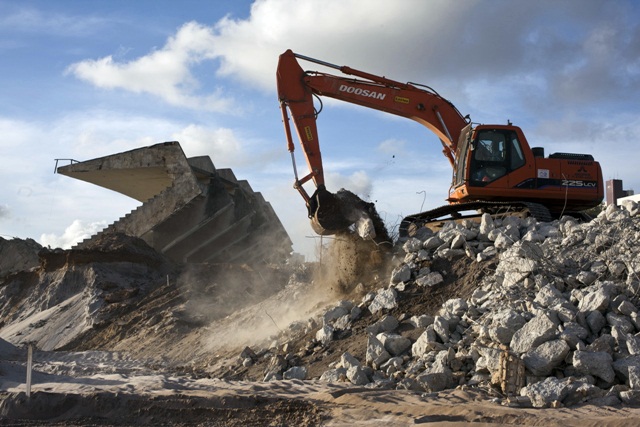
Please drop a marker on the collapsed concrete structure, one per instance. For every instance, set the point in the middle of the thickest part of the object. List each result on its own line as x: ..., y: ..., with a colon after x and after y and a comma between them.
x: 191, y: 211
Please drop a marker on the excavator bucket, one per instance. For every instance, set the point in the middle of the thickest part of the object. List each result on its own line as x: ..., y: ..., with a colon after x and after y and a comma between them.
x: 337, y: 213
x: 326, y: 211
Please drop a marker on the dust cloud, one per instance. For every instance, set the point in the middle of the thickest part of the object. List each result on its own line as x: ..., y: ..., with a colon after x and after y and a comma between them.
x: 350, y: 267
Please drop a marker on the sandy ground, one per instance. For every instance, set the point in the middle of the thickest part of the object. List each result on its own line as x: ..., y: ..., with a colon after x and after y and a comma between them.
x: 108, y: 388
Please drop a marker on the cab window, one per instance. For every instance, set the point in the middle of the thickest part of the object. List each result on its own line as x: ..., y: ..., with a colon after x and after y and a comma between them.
x: 517, y: 158
x: 495, y: 153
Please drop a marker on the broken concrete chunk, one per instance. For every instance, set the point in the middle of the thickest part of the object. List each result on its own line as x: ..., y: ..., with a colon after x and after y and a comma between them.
x: 295, y: 373
x: 621, y: 366
x: 614, y: 214
x: 631, y: 206
x: 597, y: 364
x: 376, y: 354
x: 347, y: 360
x: 487, y: 253
x: 434, y: 381
x: 630, y: 397
x: 604, y: 342
x: 392, y: 365
x: 358, y: 375
x: 325, y: 335
x: 248, y: 353
x: 513, y: 269
x: 334, y: 375
x: 543, y: 359
x: 333, y: 314
x: 549, y: 296
x: 441, y: 328
x: 595, y: 301
x: 426, y: 343
x: 387, y: 324
x: 587, y: 277
x: 617, y: 268
x: 621, y: 321
x: 401, y: 274
x: 384, y: 299
x: 432, y: 279
x: 573, y: 334
x: 548, y: 392
x: 486, y: 224
x: 395, y: 344
x: 505, y: 323
x: 355, y: 313
x: 503, y: 241
x: 634, y: 377
x: 412, y: 245
x: 365, y: 228
x: 458, y: 242
x: 432, y: 243
x: 580, y: 392
x: 421, y: 321
x: 536, y: 331
x: 533, y: 236
x: 596, y: 321
x: 633, y: 344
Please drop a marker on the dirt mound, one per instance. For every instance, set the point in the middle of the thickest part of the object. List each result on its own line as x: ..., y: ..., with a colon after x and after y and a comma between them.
x: 119, y: 293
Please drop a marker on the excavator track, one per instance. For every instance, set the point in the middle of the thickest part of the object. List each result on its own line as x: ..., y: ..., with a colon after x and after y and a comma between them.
x: 434, y: 218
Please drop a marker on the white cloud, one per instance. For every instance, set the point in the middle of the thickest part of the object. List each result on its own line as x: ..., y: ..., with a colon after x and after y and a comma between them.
x: 221, y: 144
x: 89, y: 134
x: 31, y: 20
x: 512, y: 46
x: 164, y: 73
x: 391, y: 146
x: 358, y: 182
x: 74, y: 233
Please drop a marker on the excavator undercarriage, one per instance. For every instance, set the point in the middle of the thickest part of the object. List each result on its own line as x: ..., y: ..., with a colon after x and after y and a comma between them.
x: 472, y: 211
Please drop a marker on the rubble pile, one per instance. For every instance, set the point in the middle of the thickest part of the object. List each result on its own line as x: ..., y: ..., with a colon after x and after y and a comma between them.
x: 553, y: 322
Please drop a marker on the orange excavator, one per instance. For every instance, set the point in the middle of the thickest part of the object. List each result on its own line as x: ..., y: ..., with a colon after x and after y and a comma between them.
x: 494, y: 168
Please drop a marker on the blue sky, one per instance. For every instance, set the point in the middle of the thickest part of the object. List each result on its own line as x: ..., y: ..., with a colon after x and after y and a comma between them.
x: 83, y: 79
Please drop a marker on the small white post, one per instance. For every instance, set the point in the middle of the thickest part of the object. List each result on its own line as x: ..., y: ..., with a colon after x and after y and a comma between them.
x: 29, y: 365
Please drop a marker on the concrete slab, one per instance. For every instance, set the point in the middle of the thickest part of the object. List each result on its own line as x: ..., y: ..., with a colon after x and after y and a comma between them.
x: 140, y: 174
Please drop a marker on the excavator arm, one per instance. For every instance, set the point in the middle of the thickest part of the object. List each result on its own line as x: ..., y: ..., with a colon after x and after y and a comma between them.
x: 296, y: 90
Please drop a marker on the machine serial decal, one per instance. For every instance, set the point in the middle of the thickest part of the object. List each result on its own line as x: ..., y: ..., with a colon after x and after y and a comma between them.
x: 307, y: 130
x: 362, y: 92
x: 577, y: 183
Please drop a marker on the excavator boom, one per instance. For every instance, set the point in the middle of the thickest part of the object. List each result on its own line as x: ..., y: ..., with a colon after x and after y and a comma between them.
x: 296, y: 91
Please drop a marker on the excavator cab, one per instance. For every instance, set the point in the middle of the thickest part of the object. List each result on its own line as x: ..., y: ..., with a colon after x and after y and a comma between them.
x: 494, y: 154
